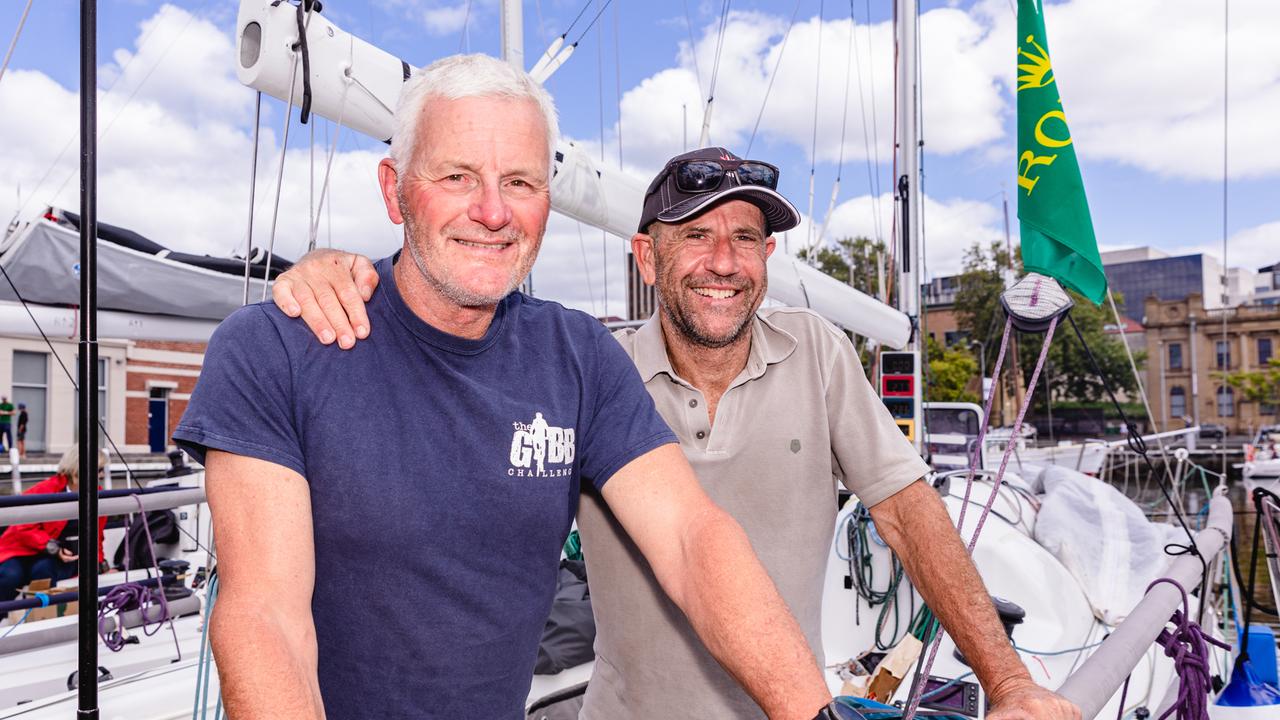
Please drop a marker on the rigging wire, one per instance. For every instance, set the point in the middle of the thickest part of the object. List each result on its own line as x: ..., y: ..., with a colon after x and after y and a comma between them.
x: 705, y: 138
x: 465, y: 41
x: 586, y: 269
x: 253, y: 186
x: 146, y: 37
x: 587, y: 29
x: 284, y: 148
x: 617, y: 67
x: 782, y: 50
x: 604, y: 235
x: 875, y: 137
x: 328, y: 169
x: 1226, y: 103
x: 844, y: 124
x: 922, y: 253
x: 14, y: 43
x: 576, y: 18
x: 817, y: 99
x: 693, y: 47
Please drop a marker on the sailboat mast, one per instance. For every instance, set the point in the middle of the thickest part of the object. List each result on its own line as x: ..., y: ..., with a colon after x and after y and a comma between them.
x: 513, y: 33
x: 87, y: 365
x: 908, y: 163
x: 907, y: 196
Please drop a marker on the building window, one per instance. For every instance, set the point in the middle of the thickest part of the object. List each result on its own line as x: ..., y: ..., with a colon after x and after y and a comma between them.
x: 1264, y: 350
x: 31, y: 388
x: 1266, y: 408
x: 1177, y: 402
x: 1224, y: 354
x: 1175, y: 356
x: 1226, y: 401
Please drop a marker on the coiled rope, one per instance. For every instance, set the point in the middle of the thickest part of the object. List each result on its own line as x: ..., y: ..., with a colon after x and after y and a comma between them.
x: 1188, y: 646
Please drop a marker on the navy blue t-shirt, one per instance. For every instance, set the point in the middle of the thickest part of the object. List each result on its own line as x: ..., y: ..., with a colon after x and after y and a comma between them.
x: 444, y: 476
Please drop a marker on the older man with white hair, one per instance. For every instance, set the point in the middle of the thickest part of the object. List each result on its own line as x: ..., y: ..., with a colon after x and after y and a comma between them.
x: 389, y: 519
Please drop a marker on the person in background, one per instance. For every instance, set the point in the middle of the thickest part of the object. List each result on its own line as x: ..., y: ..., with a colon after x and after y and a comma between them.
x: 22, y: 431
x: 46, y: 549
x: 6, y: 424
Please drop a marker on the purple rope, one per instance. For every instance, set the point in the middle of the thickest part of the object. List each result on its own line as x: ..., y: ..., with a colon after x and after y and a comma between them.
x: 128, y: 595
x: 1189, y: 647
x: 914, y: 702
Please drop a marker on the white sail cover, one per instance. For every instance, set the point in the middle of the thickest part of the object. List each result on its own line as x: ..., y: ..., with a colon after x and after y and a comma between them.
x: 360, y: 83
x: 42, y: 259
x: 1103, y: 538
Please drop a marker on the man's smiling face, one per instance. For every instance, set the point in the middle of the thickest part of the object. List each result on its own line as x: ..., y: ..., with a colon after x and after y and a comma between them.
x: 475, y: 198
x: 711, y: 273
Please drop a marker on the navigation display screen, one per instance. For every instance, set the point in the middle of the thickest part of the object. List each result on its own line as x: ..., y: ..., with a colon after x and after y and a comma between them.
x: 897, y: 386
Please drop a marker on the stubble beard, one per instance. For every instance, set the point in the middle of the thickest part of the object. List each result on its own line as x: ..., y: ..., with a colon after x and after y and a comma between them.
x: 685, y: 324
x: 447, y: 286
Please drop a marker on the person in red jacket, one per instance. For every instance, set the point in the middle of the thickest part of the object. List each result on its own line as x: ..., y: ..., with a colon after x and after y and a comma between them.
x: 43, y: 550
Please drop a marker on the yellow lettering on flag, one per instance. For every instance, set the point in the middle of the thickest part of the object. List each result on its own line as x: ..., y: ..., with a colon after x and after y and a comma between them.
x: 1026, y: 162
x: 1043, y: 138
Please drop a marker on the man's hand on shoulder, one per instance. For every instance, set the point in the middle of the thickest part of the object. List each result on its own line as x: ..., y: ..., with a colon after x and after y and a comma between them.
x: 328, y: 289
x: 1022, y: 699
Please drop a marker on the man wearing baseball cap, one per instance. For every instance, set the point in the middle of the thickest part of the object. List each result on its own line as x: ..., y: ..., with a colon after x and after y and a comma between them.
x: 772, y: 409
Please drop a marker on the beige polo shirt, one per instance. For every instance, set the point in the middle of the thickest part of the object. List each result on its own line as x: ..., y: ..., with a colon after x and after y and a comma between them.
x: 799, y: 418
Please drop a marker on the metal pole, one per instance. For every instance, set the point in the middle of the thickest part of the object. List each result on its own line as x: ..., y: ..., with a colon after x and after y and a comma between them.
x: 908, y: 186
x: 982, y: 366
x: 512, y: 24
x: 87, y: 371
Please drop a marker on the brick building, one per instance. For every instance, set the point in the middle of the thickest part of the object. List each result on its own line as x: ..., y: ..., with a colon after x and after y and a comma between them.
x: 143, y: 389
x: 1187, y: 354
x: 160, y: 376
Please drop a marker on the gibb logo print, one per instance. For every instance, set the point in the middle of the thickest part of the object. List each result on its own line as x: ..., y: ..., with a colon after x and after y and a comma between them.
x: 536, y: 447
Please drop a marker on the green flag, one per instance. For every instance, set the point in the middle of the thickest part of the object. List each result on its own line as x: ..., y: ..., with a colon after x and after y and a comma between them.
x: 1057, y: 233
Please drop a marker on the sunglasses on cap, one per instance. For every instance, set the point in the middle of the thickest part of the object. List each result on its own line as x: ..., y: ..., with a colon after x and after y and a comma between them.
x: 708, y: 175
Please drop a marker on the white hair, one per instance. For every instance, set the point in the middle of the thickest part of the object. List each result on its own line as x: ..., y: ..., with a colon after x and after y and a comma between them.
x: 460, y: 76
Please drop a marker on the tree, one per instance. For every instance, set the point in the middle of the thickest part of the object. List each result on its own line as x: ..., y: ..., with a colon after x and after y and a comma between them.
x: 856, y: 258
x: 1261, y: 386
x: 951, y: 371
x: 1071, y: 376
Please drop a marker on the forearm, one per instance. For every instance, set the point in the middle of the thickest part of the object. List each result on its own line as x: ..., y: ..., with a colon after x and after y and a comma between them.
x: 737, y: 612
x: 266, y: 663
x: 942, y: 572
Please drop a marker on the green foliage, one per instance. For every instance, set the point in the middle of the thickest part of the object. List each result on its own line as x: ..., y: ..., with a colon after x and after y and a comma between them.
x: 1260, y: 386
x: 1070, y: 374
x: 950, y: 370
x: 854, y: 258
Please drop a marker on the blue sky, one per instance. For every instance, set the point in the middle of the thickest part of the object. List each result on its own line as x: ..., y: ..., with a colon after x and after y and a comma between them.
x: 1142, y: 84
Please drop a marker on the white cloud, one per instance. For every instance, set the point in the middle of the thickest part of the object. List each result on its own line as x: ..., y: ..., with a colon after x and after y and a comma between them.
x: 173, y: 156
x: 1142, y: 82
x: 1250, y: 248
x: 174, y: 165
x: 446, y: 19
x: 664, y: 112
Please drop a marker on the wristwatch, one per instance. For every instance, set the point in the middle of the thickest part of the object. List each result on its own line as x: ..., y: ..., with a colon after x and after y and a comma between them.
x: 838, y: 711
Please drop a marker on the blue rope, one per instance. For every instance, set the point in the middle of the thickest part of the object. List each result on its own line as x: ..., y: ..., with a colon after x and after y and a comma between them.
x: 203, y: 671
x: 44, y: 602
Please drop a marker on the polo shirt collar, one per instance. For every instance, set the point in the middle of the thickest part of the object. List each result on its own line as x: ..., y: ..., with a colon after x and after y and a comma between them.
x: 769, y: 344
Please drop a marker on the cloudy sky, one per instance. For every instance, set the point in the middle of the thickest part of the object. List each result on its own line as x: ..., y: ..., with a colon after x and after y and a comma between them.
x: 1142, y: 82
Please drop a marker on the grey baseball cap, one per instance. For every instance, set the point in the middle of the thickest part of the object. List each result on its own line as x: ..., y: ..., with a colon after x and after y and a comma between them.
x: 691, y: 183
